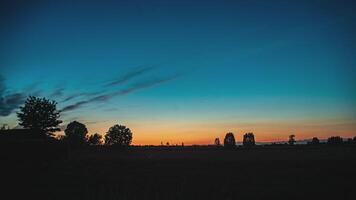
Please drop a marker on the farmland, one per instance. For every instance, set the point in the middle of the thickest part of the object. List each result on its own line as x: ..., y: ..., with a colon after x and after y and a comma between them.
x: 278, y: 172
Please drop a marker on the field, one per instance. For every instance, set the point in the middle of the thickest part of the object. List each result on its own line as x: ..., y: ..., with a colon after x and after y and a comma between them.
x: 281, y: 172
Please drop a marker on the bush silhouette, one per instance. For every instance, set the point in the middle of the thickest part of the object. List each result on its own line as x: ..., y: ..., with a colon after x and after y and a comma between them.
x: 315, y: 141
x: 118, y: 135
x: 229, y: 141
x: 217, y: 142
x: 291, y: 140
x: 40, y: 114
x: 95, y: 139
x: 249, y: 140
x: 335, y: 140
x: 76, y: 133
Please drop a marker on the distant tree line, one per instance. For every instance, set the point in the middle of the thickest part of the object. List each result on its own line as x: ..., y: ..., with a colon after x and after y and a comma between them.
x: 41, y: 116
x: 249, y: 140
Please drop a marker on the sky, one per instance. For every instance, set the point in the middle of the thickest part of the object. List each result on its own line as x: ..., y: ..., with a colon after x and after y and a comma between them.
x: 185, y: 71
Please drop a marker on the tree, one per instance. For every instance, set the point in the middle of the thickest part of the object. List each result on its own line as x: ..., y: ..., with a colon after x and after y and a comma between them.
x: 76, y: 133
x: 335, y: 140
x: 40, y: 114
x: 315, y: 141
x: 118, y: 135
x: 95, y: 139
x: 249, y: 140
x: 217, y: 142
x: 229, y: 141
x: 291, y: 140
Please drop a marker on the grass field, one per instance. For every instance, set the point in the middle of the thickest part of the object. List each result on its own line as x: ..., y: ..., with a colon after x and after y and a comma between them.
x: 300, y: 172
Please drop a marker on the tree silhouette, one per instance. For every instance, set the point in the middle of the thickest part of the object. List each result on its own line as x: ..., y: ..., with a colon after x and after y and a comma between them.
x: 315, y: 141
x: 291, y: 140
x: 76, y: 133
x: 95, y: 139
x: 229, y: 141
x: 118, y: 135
x: 217, y: 142
x: 40, y: 114
x: 334, y: 140
x: 249, y: 140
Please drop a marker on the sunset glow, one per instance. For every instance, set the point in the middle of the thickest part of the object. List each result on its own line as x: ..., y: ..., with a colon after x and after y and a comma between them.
x: 185, y: 71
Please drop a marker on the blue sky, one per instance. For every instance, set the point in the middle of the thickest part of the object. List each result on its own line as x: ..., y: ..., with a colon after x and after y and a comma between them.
x: 185, y: 70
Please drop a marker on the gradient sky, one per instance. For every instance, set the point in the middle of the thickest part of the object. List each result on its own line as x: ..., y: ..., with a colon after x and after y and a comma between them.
x: 185, y: 71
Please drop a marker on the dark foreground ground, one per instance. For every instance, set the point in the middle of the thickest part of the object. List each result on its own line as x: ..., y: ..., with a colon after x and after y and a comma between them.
x: 302, y: 172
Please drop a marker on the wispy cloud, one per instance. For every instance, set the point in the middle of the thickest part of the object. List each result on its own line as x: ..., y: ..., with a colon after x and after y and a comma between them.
x: 57, y: 92
x: 133, y: 88
x: 131, y: 75
x: 134, y: 73
x: 83, y: 94
x: 9, y: 101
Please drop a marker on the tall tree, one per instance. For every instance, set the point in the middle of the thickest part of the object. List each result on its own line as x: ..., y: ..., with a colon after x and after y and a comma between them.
x: 40, y: 114
x: 229, y: 141
x: 249, y: 140
x: 76, y: 133
x: 118, y: 135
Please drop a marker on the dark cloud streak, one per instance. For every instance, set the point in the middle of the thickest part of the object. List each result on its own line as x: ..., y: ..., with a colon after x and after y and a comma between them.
x: 57, y: 93
x: 137, y: 72
x: 84, y: 94
x: 128, y: 90
x: 9, y: 101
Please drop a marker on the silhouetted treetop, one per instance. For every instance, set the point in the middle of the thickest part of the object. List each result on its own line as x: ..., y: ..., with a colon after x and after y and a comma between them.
x: 118, y: 135
x: 248, y: 140
x: 315, y: 141
x: 95, y: 139
x: 229, y: 140
x: 291, y: 140
x: 217, y: 142
x: 39, y: 113
x: 335, y: 140
x: 76, y: 132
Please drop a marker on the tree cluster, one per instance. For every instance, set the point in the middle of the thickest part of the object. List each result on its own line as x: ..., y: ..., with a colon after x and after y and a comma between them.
x: 42, y: 114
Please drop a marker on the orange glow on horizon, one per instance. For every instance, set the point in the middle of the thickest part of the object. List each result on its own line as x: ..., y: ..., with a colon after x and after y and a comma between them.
x: 204, y: 135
